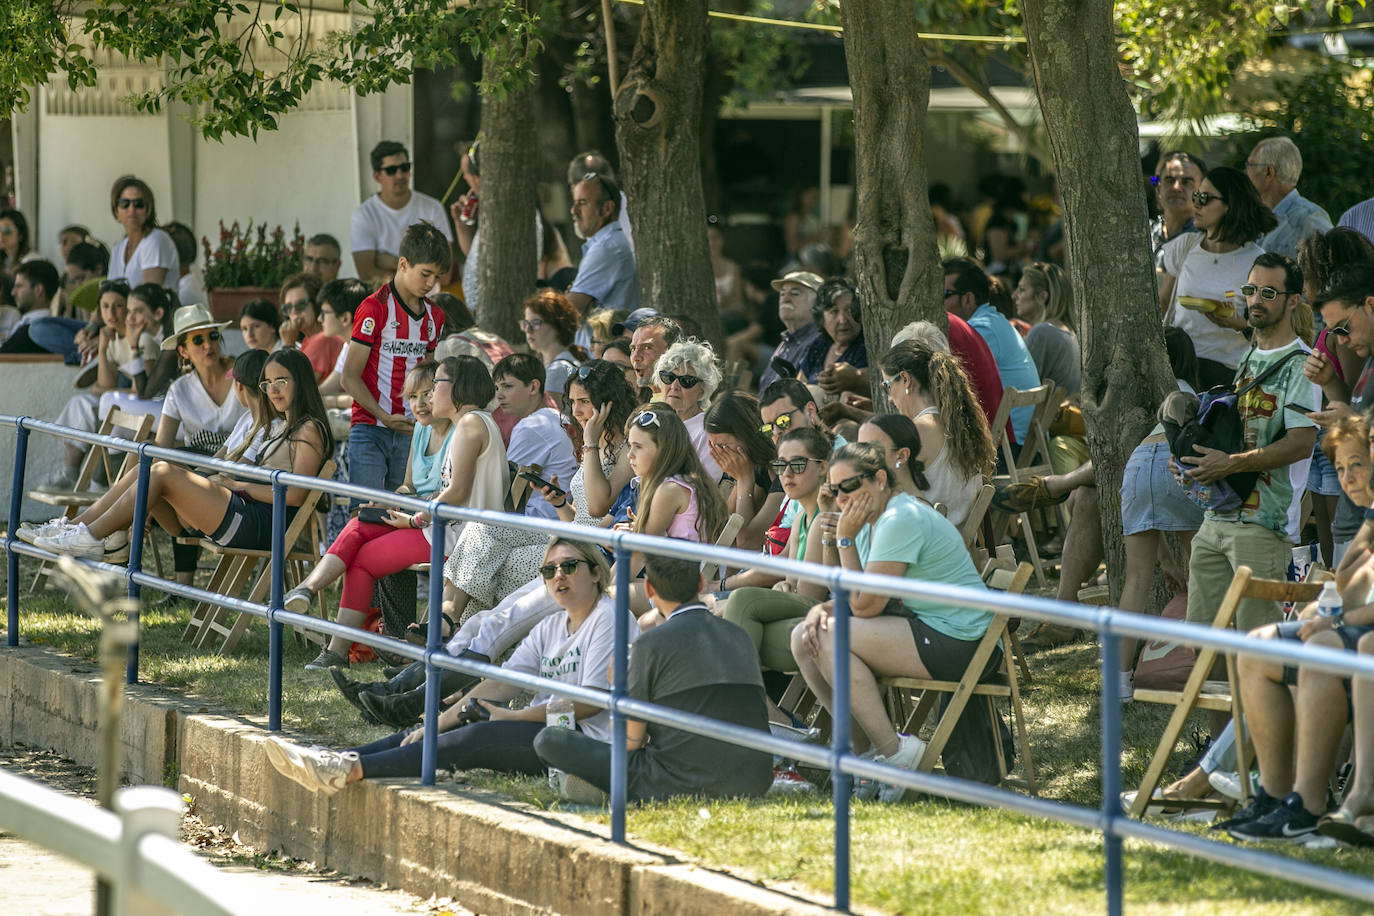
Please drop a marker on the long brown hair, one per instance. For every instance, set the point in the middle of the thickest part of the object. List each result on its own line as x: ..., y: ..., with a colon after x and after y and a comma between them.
x: 676, y: 458
x: 975, y: 452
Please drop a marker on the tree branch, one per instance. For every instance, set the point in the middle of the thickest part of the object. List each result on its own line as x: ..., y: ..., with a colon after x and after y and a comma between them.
x: 966, y: 78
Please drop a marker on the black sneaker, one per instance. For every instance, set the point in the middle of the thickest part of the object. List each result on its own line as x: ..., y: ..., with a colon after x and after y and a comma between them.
x: 1261, y: 803
x: 1289, y: 822
x: 350, y: 690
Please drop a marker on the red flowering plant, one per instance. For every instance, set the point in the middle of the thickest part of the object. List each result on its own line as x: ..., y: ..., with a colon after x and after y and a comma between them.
x: 252, y: 256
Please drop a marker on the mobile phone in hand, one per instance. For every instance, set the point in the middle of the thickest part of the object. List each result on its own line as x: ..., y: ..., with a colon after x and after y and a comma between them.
x: 539, y: 482
x: 373, y: 515
x: 1299, y: 408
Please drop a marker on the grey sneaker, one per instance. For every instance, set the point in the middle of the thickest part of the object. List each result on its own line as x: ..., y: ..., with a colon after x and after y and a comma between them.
x: 910, y: 750
x: 318, y: 769
x: 862, y: 788
x: 297, y: 601
x: 326, y: 660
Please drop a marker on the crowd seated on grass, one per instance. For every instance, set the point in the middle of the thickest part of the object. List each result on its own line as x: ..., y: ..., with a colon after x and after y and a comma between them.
x: 616, y: 416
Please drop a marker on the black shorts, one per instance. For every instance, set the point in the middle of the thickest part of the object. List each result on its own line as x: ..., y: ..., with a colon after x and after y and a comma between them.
x: 945, y: 657
x: 247, y: 524
x: 1350, y: 638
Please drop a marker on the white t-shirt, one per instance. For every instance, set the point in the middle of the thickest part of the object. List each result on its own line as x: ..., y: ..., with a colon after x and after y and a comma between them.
x: 190, y: 289
x: 189, y: 402
x: 578, y: 658
x: 377, y: 227
x: 540, y: 439
x: 156, y: 249
x: 1208, y: 275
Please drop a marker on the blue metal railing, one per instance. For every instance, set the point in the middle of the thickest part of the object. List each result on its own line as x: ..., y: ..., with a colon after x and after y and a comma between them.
x: 838, y: 758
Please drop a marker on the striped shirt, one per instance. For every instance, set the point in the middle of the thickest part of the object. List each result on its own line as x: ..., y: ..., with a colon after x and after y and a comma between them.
x: 397, y: 340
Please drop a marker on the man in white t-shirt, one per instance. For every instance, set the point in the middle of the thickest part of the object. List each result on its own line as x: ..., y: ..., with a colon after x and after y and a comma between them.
x: 381, y: 220
x: 539, y: 437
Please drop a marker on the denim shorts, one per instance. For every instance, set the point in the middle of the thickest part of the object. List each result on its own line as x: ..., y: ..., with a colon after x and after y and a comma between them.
x: 1151, y: 499
x: 1321, y: 475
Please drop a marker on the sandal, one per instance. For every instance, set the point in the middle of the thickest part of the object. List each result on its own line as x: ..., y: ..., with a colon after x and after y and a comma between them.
x: 1025, y: 496
x: 1340, y: 825
x: 418, y: 634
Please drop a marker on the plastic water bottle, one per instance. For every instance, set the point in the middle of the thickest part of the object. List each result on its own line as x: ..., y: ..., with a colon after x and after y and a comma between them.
x: 1329, y: 601
x: 559, y: 714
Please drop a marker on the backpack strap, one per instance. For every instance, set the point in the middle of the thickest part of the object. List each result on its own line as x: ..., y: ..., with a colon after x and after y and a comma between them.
x: 1263, y: 376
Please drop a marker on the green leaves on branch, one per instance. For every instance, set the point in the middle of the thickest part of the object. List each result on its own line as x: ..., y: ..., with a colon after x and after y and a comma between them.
x: 241, y: 65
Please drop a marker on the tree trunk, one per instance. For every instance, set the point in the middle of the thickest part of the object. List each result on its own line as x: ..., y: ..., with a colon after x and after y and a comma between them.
x: 896, y: 265
x: 1092, y: 131
x: 508, y: 262
x: 658, y: 119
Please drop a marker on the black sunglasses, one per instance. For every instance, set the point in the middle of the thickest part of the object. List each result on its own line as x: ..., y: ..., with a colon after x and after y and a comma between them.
x: 403, y: 168
x: 138, y: 203
x: 1265, y: 292
x: 796, y: 465
x: 686, y: 381
x: 586, y: 369
x: 114, y: 286
x: 567, y: 567
x: 782, y: 423
x: 196, y: 340
x: 1340, y: 330
x: 849, y: 484
x: 1203, y: 198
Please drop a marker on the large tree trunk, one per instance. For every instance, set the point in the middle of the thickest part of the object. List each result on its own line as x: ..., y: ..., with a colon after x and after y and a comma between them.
x: 1092, y: 130
x: 658, y: 119
x: 508, y: 262
x: 896, y: 265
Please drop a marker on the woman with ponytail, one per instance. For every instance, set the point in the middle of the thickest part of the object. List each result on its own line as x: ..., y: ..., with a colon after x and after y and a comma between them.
x: 956, y: 447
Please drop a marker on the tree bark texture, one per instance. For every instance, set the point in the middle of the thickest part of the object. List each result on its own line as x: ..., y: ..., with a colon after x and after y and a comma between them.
x: 1093, y: 136
x: 658, y: 121
x: 508, y: 261
x: 896, y: 267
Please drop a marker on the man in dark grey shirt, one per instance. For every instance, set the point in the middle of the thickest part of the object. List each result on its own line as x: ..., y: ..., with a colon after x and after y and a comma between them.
x: 694, y: 662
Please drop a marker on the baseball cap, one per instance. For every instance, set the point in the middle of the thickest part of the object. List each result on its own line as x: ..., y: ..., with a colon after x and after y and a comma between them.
x: 805, y: 277
x: 633, y: 320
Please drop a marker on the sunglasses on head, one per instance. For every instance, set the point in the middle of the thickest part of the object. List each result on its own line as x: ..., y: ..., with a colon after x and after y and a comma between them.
x: 795, y: 465
x: 1265, y: 292
x: 586, y: 369
x: 138, y: 203
x: 648, y: 418
x: 782, y: 423
x: 114, y: 286
x: 1203, y: 198
x: 849, y: 484
x: 196, y: 340
x: 403, y: 168
x: 567, y: 568
x: 686, y: 381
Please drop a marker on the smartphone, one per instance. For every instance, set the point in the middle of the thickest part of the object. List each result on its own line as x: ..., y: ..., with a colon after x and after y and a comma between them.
x: 373, y: 515
x: 539, y: 482
x: 1298, y: 408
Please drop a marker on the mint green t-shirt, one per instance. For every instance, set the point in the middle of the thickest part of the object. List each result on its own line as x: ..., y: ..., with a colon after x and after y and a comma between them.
x: 912, y: 532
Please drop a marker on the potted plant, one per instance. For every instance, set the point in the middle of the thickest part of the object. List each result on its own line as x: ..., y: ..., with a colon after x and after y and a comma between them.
x: 249, y: 263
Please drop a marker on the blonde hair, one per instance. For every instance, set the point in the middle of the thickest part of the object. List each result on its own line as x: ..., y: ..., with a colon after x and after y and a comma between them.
x: 974, y: 450
x: 1345, y: 429
x: 1302, y: 322
x: 676, y: 458
x: 1051, y: 280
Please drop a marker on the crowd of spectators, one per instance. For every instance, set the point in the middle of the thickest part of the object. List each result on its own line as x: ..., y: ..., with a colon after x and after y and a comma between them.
x: 619, y: 414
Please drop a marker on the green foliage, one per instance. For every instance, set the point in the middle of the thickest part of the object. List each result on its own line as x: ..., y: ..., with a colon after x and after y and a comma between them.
x: 245, y: 257
x: 1330, y: 115
x: 759, y: 59
x: 241, y: 65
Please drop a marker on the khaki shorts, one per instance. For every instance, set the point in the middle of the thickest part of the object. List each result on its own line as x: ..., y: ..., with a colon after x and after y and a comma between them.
x: 1220, y: 547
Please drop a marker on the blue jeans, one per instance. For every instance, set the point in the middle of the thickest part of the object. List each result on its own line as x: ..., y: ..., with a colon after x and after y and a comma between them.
x: 50, y: 334
x: 377, y: 457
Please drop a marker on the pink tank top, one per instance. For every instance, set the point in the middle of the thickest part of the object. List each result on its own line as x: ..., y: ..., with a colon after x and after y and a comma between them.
x: 684, y: 524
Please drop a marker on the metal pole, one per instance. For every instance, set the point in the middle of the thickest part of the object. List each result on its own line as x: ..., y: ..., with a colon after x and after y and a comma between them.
x: 21, y: 452
x: 612, y: 64
x: 275, y: 603
x: 840, y: 745
x: 115, y: 640
x: 1111, y: 769
x: 429, y: 758
x: 620, y: 757
x: 140, y: 522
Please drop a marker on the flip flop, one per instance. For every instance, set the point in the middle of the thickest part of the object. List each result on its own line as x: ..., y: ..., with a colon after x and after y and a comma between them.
x: 1341, y: 826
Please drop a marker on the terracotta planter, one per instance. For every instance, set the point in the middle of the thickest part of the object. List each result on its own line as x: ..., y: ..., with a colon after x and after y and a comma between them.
x: 226, y: 303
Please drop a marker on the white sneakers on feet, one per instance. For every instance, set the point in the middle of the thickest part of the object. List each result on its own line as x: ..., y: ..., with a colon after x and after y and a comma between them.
x: 318, y: 769
x: 76, y: 541
x: 30, y: 532
x: 908, y: 755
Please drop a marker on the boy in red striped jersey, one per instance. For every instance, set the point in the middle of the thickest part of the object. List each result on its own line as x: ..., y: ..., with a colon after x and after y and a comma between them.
x: 393, y: 329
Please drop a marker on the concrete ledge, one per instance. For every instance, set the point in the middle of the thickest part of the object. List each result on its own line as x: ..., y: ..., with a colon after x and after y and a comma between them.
x: 493, y: 855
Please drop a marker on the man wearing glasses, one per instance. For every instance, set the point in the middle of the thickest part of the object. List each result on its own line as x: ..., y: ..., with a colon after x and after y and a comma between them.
x: 1274, y: 167
x: 607, y: 276
x: 380, y: 221
x: 321, y: 257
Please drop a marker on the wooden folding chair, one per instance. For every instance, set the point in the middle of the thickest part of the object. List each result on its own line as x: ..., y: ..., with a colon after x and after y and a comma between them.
x: 1220, y: 696
x: 909, y: 713
x: 520, y: 488
x: 237, y: 566
x: 973, y: 524
x: 1034, y: 459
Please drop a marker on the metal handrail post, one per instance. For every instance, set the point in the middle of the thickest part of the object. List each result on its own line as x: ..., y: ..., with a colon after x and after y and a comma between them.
x: 21, y: 453
x: 276, y: 602
x: 840, y: 744
x: 429, y: 758
x: 140, y: 522
x: 620, y: 756
x: 1111, y: 769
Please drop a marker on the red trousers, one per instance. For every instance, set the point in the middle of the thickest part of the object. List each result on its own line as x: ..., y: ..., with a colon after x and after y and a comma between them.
x: 372, y: 552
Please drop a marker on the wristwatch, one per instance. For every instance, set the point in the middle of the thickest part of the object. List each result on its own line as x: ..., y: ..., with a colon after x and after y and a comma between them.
x: 845, y: 542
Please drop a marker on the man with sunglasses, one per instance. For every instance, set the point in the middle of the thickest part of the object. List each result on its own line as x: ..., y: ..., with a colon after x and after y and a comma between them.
x: 1274, y: 167
x: 381, y: 221
x: 607, y: 275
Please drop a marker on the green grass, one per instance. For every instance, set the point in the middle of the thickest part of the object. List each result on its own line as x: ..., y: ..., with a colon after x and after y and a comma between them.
x: 928, y: 856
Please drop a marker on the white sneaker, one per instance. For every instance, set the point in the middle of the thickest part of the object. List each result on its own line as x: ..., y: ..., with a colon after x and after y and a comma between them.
x: 318, y: 769
x: 787, y: 781
x: 910, y: 750
x: 76, y: 541
x: 1228, y: 783
x: 30, y: 532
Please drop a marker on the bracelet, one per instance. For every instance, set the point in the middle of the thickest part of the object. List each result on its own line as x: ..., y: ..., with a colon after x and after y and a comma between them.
x: 827, y: 542
x: 561, y: 505
x: 412, y: 522
x: 590, y: 448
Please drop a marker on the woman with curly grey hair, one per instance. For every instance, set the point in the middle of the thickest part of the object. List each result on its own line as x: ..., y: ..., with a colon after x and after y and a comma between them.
x: 687, y: 376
